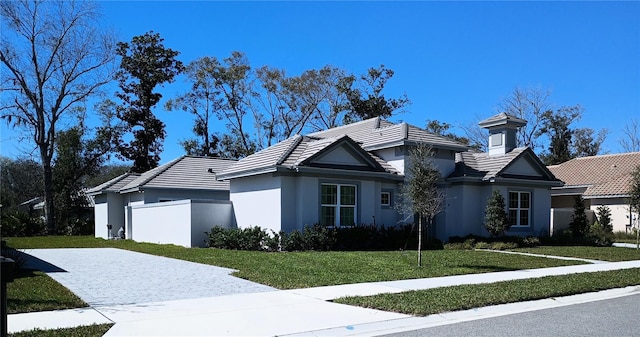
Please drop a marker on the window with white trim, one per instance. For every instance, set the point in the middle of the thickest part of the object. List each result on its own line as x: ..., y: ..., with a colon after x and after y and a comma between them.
x: 519, y: 208
x: 385, y: 199
x: 338, y: 205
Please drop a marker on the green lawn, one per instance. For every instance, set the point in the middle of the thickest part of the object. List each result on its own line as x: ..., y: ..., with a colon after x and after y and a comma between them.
x: 290, y: 270
x: 81, y: 331
x: 592, y: 253
x: 432, y: 301
x: 35, y: 291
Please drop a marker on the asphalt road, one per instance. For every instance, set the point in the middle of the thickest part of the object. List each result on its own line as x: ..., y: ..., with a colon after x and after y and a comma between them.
x: 615, y: 317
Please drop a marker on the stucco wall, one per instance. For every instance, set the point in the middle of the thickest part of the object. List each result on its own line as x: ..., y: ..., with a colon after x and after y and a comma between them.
x: 168, y: 222
x: 101, y: 216
x: 182, y: 222
x: 392, y: 157
x: 207, y: 214
x: 472, y: 206
x: 109, y: 209
x: 257, y: 202
x: 307, y: 194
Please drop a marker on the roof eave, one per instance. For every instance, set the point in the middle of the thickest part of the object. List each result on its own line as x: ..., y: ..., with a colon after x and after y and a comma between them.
x: 246, y: 173
x: 386, y: 175
x: 605, y: 196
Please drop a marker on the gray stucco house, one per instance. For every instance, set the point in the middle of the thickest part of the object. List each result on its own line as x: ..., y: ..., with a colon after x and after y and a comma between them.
x: 172, y: 203
x: 349, y: 175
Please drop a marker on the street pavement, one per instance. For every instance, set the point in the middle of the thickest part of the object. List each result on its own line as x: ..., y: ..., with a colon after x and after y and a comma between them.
x: 178, y: 302
x: 609, y: 317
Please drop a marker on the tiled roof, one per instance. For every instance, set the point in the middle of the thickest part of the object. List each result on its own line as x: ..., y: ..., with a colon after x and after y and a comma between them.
x: 502, y: 119
x: 113, y: 185
x: 186, y: 172
x: 606, y: 175
x: 481, y: 165
x: 266, y: 159
x: 370, y: 134
x: 374, y: 133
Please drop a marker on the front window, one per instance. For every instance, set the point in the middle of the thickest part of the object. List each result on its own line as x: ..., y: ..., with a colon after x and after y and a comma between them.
x: 519, y: 209
x: 385, y: 199
x: 338, y: 205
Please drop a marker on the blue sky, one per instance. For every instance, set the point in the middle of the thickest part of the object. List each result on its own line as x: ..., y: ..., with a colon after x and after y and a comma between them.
x: 455, y: 60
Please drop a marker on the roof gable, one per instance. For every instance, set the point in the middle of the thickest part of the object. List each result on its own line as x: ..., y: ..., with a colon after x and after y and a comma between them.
x: 113, y: 185
x: 344, y: 153
x: 520, y: 163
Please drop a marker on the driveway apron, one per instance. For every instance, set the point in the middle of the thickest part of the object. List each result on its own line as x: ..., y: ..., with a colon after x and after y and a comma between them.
x: 110, y: 276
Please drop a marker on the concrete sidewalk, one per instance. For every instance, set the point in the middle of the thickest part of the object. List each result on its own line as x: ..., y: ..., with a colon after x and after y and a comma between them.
x: 299, y: 311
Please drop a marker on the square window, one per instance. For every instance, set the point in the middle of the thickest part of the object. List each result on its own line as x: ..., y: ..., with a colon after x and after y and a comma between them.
x: 328, y: 216
x: 385, y: 199
x: 338, y: 205
x: 329, y: 195
x: 347, y: 195
x: 347, y: 216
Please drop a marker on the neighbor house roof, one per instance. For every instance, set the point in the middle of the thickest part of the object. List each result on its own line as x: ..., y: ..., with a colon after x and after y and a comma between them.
x: 603, y: 176
x: 368, y: 135
x: 484, y: 167
x: 186, y: 172
x: 114, y: 185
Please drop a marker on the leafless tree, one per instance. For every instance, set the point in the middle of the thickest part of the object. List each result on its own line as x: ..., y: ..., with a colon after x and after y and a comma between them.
x: 529, y: 104
x: 630, y: 140
x: 54, y: 57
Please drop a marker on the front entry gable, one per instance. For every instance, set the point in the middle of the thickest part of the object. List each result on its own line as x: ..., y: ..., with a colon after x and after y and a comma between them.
x: 527, y: 166
x: 343, y: 153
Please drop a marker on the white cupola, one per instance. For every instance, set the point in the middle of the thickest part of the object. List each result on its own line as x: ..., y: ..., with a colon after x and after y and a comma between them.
x: 502, y: 132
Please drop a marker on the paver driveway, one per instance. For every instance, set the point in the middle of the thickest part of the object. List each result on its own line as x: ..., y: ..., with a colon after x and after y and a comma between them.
x: 110, y: 276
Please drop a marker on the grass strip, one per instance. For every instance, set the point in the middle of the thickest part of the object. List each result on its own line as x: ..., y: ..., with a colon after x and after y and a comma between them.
x: 439, y: 300
x: 81, y: 331
x: 612, y: 254
x: 290, y: 270
x: 35, y: 291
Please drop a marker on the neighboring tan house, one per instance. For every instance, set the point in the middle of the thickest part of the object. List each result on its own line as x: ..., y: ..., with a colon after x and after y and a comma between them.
x: 173, y: 203
x: 600, y: 180
x: 350, y: 175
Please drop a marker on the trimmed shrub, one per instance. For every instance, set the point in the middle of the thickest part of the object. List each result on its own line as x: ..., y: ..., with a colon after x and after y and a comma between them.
x: 579, y: 224
x: 496, y: 221
x: 251, y: 238
x: 318, y: 238
x: 600, y: 236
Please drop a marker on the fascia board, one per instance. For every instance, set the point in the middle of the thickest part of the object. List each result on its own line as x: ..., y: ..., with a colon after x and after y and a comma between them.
x: 246, y: 173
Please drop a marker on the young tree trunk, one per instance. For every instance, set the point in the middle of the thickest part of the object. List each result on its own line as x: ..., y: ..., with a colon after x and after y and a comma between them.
x: 419, y: 241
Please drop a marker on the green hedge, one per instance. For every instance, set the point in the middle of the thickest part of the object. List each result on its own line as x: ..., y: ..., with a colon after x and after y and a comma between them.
x: 318, y: 238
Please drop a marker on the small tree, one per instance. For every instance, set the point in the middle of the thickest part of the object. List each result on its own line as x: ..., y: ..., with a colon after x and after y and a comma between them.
x: 579, y: 223
x: 496, y: 220
x: 419, y: 193
x: 604, y: 218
